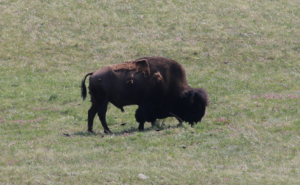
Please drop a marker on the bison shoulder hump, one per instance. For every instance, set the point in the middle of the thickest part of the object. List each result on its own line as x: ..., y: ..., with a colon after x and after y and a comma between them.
x: 140, y: 65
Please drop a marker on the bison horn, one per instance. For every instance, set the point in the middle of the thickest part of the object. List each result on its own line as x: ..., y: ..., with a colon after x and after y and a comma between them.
x: 192, y: 97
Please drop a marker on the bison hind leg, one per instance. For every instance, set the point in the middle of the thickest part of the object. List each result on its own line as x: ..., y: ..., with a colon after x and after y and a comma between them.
x: 102, y: 108
x: 107, y: 131
x: 91, y: 115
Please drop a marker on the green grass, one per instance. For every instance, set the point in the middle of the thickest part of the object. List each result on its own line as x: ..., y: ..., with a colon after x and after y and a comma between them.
x: 244, y: 53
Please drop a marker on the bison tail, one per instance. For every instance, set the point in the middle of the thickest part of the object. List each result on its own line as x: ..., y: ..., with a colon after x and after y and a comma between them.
x: 83, y: 87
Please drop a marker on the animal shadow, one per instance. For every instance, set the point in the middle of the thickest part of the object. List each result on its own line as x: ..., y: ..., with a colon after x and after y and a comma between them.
x: 157, y: 128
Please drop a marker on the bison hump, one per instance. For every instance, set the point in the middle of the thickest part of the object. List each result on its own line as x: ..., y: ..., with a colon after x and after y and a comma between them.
x: 140, y: 65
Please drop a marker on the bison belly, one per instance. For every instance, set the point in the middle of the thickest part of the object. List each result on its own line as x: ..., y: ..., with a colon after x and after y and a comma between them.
x: 128, y: 89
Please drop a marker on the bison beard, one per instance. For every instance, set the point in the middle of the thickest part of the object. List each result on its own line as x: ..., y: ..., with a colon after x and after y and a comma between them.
x: 157, y: 85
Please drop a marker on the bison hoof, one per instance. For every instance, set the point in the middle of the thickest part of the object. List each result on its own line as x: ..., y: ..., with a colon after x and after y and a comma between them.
x: 91, y: 131
x: 141, y: 129
x: 107, y: 132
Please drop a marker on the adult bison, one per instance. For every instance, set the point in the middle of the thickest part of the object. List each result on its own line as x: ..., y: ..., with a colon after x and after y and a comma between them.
x: 157, y: 85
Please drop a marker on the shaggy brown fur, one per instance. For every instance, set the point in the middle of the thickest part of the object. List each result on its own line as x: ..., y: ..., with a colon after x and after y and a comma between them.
x: 135, y: 65
x: 156, y: 79
x: 157, y: 85
x: 131, y: 80
x: 158, y: 76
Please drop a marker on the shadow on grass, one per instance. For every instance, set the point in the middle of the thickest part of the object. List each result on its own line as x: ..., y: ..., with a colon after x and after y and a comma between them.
x: 128, y: 131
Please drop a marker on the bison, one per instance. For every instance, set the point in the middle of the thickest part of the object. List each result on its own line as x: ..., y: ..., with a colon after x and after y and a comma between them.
x: 157, y: 85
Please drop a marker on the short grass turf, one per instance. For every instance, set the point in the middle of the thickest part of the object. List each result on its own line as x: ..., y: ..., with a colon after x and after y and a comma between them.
x: 244, y: 53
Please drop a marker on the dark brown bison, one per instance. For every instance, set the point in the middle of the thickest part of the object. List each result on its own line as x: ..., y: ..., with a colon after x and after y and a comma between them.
x: 157, y: 85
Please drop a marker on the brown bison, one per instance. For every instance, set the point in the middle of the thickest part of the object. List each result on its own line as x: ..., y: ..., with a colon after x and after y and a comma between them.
x: 157, y: 85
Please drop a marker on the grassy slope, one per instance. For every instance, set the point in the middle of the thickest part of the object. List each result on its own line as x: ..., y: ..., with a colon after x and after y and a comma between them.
x: 245, y: 53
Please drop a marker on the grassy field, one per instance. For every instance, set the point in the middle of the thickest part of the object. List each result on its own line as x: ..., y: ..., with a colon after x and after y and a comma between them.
x: 245, y: 53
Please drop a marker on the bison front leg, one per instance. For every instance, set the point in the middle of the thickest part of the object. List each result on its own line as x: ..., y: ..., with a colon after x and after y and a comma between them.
x: 102, y: 116
x: 142, y: 114
x: 91, y: 115
x: 141, y: 126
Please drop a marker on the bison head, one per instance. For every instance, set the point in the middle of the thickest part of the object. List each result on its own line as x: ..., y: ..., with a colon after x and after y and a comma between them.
x: 193, y: 104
